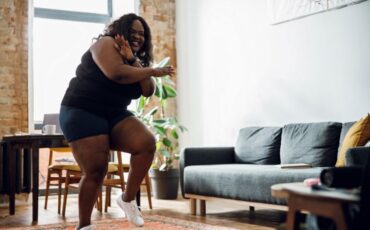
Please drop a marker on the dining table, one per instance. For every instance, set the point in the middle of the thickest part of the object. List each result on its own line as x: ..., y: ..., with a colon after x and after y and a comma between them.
x: 30, y: 142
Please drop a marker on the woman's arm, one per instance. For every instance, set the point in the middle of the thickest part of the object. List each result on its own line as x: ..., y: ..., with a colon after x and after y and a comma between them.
x: 110, y: 63
x: 124, y: 48
x: 147, y: 85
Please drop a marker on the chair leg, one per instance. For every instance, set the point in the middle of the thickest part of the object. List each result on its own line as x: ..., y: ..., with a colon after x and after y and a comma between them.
x: 108, y: 192
x: 107, y: 198
x: 100, y: 200
x: 60, y: 181
x: 148, y: 190
x: 107, y: 195
x: 66, y: 186
x: 47, y: 190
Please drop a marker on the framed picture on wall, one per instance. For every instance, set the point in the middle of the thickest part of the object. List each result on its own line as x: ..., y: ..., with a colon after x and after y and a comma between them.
x: 281, y: 11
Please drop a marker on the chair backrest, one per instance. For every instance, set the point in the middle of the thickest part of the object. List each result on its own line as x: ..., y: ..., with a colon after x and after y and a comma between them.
x: 52, y: 119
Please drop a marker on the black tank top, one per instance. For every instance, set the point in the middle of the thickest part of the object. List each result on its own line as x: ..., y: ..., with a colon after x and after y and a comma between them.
x: 93, y: 91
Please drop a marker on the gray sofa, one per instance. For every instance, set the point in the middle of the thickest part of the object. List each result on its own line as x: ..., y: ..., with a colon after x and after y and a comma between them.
x: 247, y: 171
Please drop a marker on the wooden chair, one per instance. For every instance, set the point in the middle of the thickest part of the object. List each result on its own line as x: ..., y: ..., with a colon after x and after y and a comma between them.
x: 55, y: 174
x: 55, y: 170
x: 73, y: 176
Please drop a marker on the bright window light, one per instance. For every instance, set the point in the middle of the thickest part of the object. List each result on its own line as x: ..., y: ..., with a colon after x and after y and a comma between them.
x: 57, y: 50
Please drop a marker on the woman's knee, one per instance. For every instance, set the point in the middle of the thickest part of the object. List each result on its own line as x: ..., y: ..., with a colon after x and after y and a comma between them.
x: 96, y: 173
x: 149, y: 144
x: 146, y: 144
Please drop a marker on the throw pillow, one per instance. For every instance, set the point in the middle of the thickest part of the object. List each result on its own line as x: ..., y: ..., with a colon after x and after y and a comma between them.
x: 357, y: 135
x: 311, y: 143
x: 258, y: 145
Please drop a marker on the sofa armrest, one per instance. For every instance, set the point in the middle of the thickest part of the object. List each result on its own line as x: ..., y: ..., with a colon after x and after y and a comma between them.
x: 357, y: 156
x: 204, y: 156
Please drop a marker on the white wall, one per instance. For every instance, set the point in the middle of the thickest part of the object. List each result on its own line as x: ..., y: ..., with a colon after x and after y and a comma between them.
x: 237, y: 70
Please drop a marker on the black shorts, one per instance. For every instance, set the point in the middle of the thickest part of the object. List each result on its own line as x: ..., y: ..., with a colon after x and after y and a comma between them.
x: 78, y: 123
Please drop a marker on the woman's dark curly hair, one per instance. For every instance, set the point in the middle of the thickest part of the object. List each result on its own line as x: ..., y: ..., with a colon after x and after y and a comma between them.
x: 123, y: 25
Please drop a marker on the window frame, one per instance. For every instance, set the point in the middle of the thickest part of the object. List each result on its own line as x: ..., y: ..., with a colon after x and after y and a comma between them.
x: 75, y: 15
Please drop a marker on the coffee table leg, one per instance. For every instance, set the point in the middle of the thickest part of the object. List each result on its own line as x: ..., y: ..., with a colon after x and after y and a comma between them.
x: 35, y: 183
x: 293, y: 217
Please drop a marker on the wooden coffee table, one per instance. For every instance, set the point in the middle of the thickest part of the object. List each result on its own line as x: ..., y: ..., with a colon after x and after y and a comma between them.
x: 331, y: 204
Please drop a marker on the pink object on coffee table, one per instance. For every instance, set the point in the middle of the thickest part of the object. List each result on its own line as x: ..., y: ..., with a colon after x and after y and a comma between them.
x: 311, y: 181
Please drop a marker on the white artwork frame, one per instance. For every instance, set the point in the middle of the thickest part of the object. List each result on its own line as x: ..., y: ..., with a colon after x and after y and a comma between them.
x: 287, y: 10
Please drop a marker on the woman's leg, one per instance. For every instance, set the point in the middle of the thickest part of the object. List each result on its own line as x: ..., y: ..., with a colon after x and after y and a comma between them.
x: 132, y: 136
x: 92, y: 155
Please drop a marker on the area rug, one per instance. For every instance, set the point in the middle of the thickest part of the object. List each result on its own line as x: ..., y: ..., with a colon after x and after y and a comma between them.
x: 154, y: 222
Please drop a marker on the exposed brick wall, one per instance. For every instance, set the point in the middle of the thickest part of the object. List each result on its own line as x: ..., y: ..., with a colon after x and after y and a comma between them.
x: 161, y: 17
x: 13, y: 66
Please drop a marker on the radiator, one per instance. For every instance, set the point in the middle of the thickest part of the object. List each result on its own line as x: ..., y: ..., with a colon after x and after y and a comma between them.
x: 23, y: 170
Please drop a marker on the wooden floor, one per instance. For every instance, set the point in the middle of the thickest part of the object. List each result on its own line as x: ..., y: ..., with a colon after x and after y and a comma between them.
x: 225, y: 213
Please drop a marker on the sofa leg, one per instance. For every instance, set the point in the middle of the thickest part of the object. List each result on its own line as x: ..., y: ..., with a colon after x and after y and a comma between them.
x: 193, y: 206
x: 202, y: 207
x: 251, y: 208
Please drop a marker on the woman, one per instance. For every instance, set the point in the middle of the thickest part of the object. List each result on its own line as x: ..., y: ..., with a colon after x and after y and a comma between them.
x: 94, y: 116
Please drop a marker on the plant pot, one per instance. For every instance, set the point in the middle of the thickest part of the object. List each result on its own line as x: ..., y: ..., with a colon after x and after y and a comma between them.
x: 165, y: 184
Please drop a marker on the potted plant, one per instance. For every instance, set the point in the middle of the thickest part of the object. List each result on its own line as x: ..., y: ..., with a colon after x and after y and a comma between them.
x: 152, y: 111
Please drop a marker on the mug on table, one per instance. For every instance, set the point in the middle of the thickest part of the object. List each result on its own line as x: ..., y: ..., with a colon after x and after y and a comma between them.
x: 49, y: 129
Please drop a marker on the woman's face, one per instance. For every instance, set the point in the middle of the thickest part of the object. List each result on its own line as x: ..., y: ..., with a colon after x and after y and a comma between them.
x: 137, y: 37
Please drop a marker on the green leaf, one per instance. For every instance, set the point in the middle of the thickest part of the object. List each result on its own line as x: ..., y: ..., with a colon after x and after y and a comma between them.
x: 159, y: 122
x: 171, y: 92
x: 163, y: 62
x: 168, y: 81
x: 160, y: 130
x: 164, y: 93
x: 167, y: 142
x: 158, y: 91
x: 141, y: 104
x: 158, y: 146
x: 175, y: 134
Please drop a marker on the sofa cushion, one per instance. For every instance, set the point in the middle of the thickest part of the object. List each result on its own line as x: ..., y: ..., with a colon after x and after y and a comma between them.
x: 357, y: 135
x: 246, y: 182
x: 258, y: 145
x: 311, y: 143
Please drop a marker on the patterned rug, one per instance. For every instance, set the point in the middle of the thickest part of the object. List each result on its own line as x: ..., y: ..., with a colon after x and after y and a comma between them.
x: 154, y: 222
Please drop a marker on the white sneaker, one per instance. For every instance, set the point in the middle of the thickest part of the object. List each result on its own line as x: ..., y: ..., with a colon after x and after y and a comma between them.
x: 88, y: 227
x: 131, y: 211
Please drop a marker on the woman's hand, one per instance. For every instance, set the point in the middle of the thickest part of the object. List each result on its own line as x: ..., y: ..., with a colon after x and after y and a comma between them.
x: 124, y: 48
x: 163, y: 71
